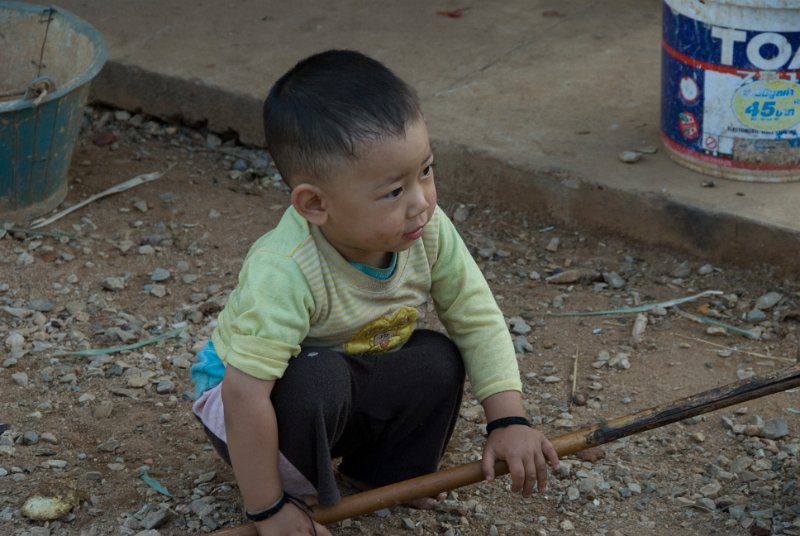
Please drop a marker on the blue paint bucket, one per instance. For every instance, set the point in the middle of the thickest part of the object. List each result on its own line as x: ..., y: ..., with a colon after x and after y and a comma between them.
x: 48, y: 57
x: 730, y: 98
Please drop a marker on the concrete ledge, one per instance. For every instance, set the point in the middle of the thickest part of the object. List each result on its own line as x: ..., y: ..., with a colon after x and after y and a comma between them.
x: 648, y: 218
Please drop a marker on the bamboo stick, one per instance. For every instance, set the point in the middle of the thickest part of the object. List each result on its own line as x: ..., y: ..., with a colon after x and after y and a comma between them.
x: 566, y: 444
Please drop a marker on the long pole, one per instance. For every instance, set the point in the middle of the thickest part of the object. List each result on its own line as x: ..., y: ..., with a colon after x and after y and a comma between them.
x: 566, y: 444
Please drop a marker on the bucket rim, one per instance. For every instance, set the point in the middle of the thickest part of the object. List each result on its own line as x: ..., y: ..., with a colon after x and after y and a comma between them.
x: 748, y: 4
x: 79, y: 25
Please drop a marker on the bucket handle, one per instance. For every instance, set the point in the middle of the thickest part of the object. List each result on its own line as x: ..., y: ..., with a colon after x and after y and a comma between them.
x: 38, y: 89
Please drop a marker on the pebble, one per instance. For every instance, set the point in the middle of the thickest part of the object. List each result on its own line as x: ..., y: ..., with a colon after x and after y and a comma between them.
x: 614, y: 280
x: 630, y: 157
x: 775, y: 429
x: 521, y: 345
x: 553, y: 245
x: 20, y: 378
x: 768, y: 300
x: 114, y: 283
x: 159, y: 274
x: 164, y: 387
x: 756, y: 315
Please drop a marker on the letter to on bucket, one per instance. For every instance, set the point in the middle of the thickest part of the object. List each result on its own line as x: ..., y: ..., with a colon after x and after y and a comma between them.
x: 730, y: 94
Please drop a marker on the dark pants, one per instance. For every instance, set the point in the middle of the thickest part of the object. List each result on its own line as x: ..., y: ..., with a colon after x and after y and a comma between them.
x: 389, y: 416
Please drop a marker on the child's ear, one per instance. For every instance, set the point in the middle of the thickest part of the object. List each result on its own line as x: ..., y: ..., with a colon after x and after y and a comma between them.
x: 308, y: 200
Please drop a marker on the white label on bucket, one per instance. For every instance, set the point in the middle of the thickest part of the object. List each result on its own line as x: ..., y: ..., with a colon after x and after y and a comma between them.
x: 769, y: 105
x: 747, y: 108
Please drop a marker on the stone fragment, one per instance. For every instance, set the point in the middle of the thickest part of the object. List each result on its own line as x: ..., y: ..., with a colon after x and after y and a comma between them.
x: 553, y: 245
x: 614, y: 280
x: 592, y: 454
x: 114, y: 283
x: 155, y: 519
x: 768, y: 300
x: 20, y: 378
x: 775, y: 429
x: 630, y: 157
x: 756, y: 315
x: 159, y: 274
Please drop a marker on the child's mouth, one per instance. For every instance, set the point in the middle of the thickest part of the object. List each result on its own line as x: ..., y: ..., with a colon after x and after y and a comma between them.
x: 416, y: 233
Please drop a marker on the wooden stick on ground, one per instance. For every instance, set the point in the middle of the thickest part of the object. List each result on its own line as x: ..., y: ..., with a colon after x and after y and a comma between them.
x: 566, y: 444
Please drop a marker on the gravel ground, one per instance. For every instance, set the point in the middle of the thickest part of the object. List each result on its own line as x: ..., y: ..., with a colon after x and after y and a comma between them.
x: 109, y: 437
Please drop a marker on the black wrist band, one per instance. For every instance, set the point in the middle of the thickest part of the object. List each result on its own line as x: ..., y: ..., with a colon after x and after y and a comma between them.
x: 506, y: 421
x: 269, y: 511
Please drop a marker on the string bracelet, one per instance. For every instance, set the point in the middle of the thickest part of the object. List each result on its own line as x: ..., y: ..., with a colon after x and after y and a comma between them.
x: 269, y: 511
x: 506, y: 421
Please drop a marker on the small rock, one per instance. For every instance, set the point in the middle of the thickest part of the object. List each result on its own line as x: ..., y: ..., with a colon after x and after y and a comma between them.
x: 768, y: 300
x: 213, y: 141
x: 164, y: 387
x: 775, y: 429
x: 630, y: 157
x: 114, y: 283
x: 705, y: 269
x: 553, y: 245
x: 155, y: 519
x: 614, y: 280
x: 20, y: 378
x: 159, y: 291
x: 521, y: 345
x: 566, y: 525
x: 565, y: 277
x: 519, y: 326
x: 682, y: 271
x: 461, y: 214
x: 717, y: 331
x: 30, y: 438
x: 756, y: 315
x: 41, y: 305
x: 103, y: 410
x: 159, y: 274
x: 592, y: 454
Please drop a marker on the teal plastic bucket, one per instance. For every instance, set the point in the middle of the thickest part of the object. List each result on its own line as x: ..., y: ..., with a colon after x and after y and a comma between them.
x: 48, y: 57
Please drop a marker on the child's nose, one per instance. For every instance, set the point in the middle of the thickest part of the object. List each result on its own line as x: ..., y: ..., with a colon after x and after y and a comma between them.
x: 419, y: 201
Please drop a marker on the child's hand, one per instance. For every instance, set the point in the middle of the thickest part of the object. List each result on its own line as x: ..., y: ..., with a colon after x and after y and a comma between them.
x: 526, y: 451
x: 290, y: 521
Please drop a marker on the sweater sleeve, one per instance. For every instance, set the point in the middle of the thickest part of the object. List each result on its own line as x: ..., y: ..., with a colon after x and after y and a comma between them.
x: 266, y: 317
x: 466, y: 307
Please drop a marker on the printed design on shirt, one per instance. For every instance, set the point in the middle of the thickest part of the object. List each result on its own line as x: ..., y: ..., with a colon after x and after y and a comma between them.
x: 383, y: 334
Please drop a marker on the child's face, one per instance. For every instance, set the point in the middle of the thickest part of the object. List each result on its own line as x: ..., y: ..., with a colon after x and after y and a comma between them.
x: 380, y: 202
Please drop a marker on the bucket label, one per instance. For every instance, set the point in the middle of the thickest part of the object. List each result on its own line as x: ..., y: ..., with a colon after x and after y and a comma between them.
x: 768, y: 105
x: 730, y: 96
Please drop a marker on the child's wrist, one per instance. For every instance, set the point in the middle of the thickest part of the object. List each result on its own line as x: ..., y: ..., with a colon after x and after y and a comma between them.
x: 269, y: 511
x: 506, y: 421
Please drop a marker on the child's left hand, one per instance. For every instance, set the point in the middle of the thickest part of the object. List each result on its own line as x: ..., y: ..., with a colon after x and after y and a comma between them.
x: 527, y: 453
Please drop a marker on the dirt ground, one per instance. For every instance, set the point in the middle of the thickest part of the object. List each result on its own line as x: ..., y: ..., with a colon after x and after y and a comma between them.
x: 165, y: 254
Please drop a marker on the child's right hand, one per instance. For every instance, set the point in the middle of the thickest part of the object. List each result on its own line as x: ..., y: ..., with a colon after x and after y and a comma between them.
x: 291, y: 521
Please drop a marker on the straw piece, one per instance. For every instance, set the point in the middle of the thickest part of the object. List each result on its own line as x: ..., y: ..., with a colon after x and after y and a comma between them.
x: 641, y: 308
x: 130, y: 183
x: 91, y: 352
x: 747, y: 352
x: 705, y: 320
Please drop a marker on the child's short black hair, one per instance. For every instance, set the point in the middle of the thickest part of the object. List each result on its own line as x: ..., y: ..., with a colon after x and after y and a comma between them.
x: 328, y: 106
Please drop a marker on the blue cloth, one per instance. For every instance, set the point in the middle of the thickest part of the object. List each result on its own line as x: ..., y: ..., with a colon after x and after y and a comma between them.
x: 208, y: 371
x: 381, y: 274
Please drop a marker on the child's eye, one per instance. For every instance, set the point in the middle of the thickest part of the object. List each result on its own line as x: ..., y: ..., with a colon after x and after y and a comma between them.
x: 428, y: 171
x: 394, y: 194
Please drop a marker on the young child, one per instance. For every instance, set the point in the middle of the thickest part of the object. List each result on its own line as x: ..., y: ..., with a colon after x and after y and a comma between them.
x: 316, y: 354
